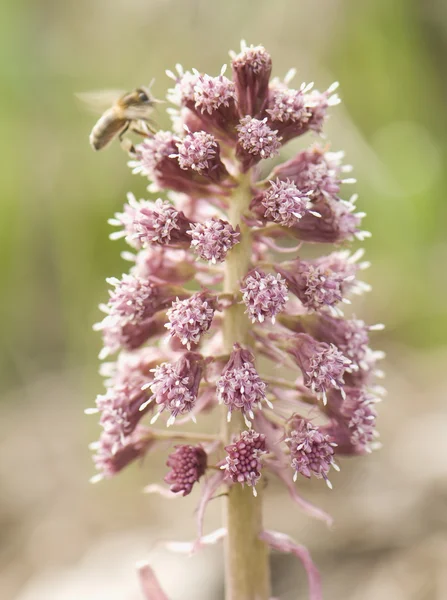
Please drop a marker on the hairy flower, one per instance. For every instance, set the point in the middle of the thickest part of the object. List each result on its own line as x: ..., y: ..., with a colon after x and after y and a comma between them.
x: 147, y: 222
x: 200, y: 152
x: 251, y: 71
x: 243, y: 464
x: 240, y: 387
x: 316, y: 172
x: 323, y: 282
x: 282, y: 203
x: 188, y: 464
x: 323, y: 365
x: 212, y: 93
x: 213, y: 239
x: 264, y: 295
x: 311, y: 451
x: 256, y: 141
x: 113, y: 453
x: 189, y: 319
x: 175, y: 386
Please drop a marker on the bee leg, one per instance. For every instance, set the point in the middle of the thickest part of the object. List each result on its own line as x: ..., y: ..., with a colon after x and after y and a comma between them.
x: 128, y: 147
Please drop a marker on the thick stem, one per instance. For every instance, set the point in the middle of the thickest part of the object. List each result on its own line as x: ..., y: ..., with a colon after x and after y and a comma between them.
x: 246, y: 556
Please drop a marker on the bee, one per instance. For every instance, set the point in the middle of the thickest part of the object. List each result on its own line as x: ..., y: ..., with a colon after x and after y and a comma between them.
x: 130, y: 112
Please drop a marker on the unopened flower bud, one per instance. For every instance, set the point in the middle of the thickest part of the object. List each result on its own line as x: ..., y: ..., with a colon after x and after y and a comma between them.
x: 188, y: 464
x: 243, y: 464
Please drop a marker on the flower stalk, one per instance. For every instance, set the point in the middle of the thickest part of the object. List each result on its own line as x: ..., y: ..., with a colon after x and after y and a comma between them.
x: 247, y: 573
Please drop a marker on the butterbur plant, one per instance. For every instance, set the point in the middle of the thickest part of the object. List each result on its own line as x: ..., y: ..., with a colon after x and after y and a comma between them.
x: 239, y: 263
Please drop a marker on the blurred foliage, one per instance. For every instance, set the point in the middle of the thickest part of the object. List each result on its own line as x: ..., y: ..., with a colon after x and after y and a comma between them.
x: 56, y: 195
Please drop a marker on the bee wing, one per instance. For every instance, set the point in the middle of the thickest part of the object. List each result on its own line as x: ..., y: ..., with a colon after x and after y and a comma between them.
x: 100, y: 100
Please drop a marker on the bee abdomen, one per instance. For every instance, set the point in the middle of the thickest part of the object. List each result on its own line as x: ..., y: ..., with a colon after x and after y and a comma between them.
x: 106, y: 128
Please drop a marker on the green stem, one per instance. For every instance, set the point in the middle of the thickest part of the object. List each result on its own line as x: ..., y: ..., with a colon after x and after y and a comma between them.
x: 246, y: 556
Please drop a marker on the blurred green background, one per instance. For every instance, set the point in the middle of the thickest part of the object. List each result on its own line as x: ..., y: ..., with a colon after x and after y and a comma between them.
x: 56, y: 194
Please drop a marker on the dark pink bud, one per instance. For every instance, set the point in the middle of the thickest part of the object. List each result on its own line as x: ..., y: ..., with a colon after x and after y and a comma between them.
x: 188, y: 464
x: 243, y: 464
x: 189, y: 319
x: 264, y: 295
x: 240, y: 387
x: 175, y: 386
x: 311, y: 451
x: 213, y: 239
x: 251, y: 72
x: 323, y: 365
x: 256, y: 141
x: 282, y: 203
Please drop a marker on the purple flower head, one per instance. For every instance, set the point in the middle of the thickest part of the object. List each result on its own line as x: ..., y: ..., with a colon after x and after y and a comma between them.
x: 189, y: 319
x: 353, y: 424
x: 183, y: 92
x: 256, y: 141
x: 317, y: 104
x: 240, y: 387
x: 323, y: 365
x: 132, y: 299
x: 243, y: 464
x: 213, y: 239
x: 311, y: 451
x: 212, y: 93
x: 113, y: 453
x: 288, y: 111
x: 351, y: 336
x: 282, y: 203
x: 175, y: 386
x: 200, y: 152
x: 251, y: 72
x: 212, y: 100
x: 316, y: 172
x: 146, y: 222
x: 161, y: 263
x: 159, y: 159
x: 264, y: 295
x: 330, y: 222
x: 120, y: 334
x: 188, y: 464
x: 324, y: 282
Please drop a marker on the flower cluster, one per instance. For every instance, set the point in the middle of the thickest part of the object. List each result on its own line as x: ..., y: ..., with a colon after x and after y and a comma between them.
x: 210, y: 312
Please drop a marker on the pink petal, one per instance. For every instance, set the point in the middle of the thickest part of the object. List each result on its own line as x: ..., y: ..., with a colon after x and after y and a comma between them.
x: 209, y: 488
x: 283, y: 543
x: 164, y: 492
x: 191, y: 547
x: 149, y: 583
x: 308, y: 507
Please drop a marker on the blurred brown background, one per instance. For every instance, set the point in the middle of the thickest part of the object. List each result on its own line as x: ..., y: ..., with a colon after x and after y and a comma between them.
x: 60, y: 537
